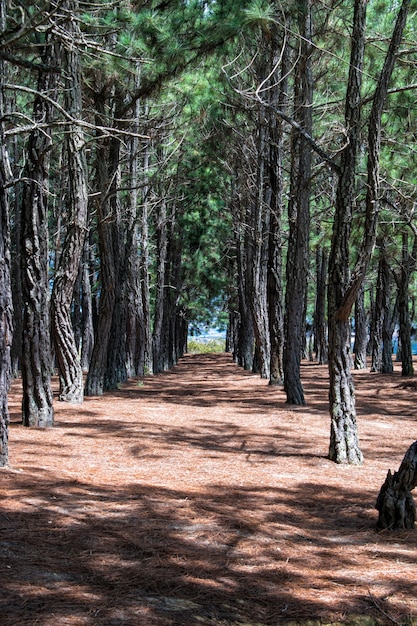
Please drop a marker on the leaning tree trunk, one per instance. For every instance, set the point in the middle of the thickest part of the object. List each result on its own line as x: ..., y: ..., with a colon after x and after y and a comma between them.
x: 37, y: 405
x: 67, y: 355
x: 299, y: 215
x: 395, y: 503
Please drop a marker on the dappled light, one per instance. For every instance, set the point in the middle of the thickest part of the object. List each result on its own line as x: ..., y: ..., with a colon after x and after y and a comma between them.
x: 199, y: 496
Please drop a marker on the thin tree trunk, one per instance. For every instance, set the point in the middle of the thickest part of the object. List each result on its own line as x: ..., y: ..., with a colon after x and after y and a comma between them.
x: 276, y: 178
x: 161, y: 286
x: 390, y: 317
x: 299, y: 215
x: 87, y: 326
x: 378, y: 314
x: 403, y: 280
x: 259, y: 258
x: 6, y: 307
x: 146, y: 358
x: 361, y: 331
x: 320, y: 326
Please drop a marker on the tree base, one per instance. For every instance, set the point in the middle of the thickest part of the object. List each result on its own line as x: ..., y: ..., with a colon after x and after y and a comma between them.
x: 395, y: 503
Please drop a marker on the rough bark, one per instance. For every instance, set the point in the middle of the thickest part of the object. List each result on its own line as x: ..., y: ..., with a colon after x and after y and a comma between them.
x: 408, y: 263
x: 344, y: 443
x: 107, y: 164
x: 243, y: 352
x: 66, y: 350
x: 395, y: 503
x: 6, y: 307
x: 343, y: 289
x: 390, y: 319
x: 320, y: 325
x: 378, y: 314
x: 161, y: 287
x: 279, y: 95
x: 299, y: 215
x: 258, y: 262
x: 361, y: 331
x: 37, y: 404
x: 87, y: 326
x: 6, y: 312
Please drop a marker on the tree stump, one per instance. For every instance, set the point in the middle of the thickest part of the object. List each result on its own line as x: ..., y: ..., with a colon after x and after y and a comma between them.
x: 395, y: 503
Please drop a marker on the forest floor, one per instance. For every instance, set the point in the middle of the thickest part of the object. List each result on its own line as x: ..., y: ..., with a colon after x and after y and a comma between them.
x: 199, y: 497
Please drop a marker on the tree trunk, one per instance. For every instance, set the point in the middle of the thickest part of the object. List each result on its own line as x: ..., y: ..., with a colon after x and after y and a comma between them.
x: 87, y: 325
x: 299, y: 214
x: 37, y: 405
x: 67, y: 354
x: 243, y: 348
x: 390, y: 318
x: 258, y: 252
x: 361, y: 331
x: 107, y: 165
x: 320, y: 326
x: 279, y: 96
x: 145, y: 360
x: 395, y: 503
x: 343, y: 291
x: 378, y: 314
x: 344, y: 443
x: 403, y: 281
x: 6, y: 307
x: 161, y: 286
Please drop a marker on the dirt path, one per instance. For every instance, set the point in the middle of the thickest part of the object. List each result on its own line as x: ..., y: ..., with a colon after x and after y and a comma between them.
x: 199, y: 497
